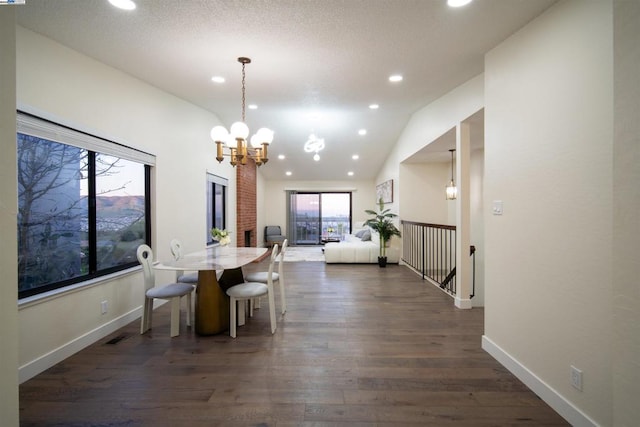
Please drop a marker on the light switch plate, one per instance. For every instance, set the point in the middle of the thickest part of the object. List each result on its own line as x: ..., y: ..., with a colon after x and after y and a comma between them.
x: 497, y: 207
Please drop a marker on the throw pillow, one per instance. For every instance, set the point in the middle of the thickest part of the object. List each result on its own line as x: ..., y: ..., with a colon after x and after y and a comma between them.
x: 366, y: 236
x: 360, y: 233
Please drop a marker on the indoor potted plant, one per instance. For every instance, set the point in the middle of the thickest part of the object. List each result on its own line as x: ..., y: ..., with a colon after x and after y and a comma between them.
x: 220, y: 236
x: 382, y: 222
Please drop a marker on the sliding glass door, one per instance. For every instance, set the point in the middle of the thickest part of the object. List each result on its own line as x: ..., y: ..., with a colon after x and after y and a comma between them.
x: 318, y: 217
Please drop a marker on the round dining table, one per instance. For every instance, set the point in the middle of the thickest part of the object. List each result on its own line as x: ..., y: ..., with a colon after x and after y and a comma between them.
x: 212, y: 302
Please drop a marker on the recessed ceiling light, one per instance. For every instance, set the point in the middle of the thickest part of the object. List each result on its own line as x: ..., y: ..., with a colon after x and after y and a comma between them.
x: 281, y: 156
x: 374, y: 106
x: 123, y: 4
x: 362, y: 132
x: 217, y: 79
x: 458, y: 3
x: 395, y: 78
x: 355, y: 157
x: 288, y: 173
x: 350, y: 173
x: 252, y: 107
x: 316, y: 157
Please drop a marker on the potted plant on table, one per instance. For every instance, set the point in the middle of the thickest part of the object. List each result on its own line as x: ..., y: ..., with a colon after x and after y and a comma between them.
x: 220, y: 236
x: 382, y: 222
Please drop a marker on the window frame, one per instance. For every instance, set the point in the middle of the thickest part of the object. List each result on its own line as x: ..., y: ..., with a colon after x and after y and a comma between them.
x: 29, y: 124
x: 292, y: 218
x: 213, y: 182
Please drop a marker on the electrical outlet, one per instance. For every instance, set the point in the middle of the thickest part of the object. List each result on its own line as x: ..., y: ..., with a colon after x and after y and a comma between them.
x: 104, y: 305
x: 576, y: 378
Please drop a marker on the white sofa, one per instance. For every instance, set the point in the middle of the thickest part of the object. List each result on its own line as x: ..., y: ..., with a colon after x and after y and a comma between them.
x: 357, y: 250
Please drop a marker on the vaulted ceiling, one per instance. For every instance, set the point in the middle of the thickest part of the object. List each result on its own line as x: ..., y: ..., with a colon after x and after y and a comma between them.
x: 316, y: 66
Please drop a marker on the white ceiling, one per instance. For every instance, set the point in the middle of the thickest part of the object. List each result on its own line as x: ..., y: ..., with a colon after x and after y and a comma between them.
x: 316, y: 64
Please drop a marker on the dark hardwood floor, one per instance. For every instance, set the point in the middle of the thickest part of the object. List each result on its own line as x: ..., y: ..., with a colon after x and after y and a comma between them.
x: 358, y: 346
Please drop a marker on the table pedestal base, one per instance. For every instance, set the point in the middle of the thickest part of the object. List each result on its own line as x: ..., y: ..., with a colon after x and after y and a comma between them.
x: 212, y: 305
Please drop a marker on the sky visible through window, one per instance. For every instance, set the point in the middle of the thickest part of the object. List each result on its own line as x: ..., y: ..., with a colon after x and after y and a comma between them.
x: 333, y: 204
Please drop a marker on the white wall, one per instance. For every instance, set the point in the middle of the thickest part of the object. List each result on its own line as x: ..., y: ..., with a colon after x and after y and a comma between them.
x: 548, y: 157
x: 8, y: 214
x: 431, y: 122
x: 626, y: 202
x: 275, y: 201
x: 423, y: 189
x: 77, y: 91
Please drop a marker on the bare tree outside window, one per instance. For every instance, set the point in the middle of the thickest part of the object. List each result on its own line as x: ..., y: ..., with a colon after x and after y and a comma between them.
x: 51, y: 211
x: 55, y: 224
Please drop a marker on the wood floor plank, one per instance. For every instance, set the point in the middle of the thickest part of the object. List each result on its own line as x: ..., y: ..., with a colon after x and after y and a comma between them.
x: 358, y: 346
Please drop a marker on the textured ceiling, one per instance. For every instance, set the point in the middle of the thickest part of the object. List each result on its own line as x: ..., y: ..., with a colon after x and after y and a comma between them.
x: 316, y: 65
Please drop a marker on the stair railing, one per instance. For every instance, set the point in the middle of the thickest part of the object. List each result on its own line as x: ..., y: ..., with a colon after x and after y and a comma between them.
x: 430, y: 250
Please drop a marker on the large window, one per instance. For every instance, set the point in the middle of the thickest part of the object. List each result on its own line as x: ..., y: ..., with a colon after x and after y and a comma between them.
x: 82, y: 213
x: 316, y: 217
x: 216, y: 204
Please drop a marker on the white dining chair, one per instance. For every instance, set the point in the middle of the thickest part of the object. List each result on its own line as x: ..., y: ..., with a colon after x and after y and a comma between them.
x: 181, y: 276
x: 172, y: 292
x: 262, y: 277
x: 248, y: 291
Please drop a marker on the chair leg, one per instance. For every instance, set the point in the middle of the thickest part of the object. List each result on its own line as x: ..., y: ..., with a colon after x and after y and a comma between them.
x: 242, y: 312
x: 283, y: 300
x: 272, y: 311
x: 232, y: 317
x: 147, y: 310
x: 252, y: 305
x: 189, y: 309
x: 175, y: 316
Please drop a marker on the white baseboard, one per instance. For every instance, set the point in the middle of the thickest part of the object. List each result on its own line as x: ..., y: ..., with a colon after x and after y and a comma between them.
x: 34, y: 367
x: 561, y: 405
x: 463, y: 303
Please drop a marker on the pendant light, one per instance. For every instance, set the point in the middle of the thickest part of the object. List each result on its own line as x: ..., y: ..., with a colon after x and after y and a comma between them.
x: 452, y: 190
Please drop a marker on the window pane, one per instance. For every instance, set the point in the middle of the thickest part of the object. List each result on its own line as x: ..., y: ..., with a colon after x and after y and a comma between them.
x: 120, y: 210
x: 219, y: 206
x: 216, y: 202
x: 336, y: 214
x: 52, y: 212
x: 317, y: 217
x: 307, y: 218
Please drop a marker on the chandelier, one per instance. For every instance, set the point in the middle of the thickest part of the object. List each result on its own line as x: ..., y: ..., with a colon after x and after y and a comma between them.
x: 314, y: 144
x: 236, y: 138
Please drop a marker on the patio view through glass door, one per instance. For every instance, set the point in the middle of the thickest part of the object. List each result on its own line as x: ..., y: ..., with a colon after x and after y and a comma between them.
x: 315, y: 218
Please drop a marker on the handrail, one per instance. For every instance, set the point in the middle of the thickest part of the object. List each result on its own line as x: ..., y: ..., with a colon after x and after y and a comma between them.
x: 426, y: 224
x: 452, y: 273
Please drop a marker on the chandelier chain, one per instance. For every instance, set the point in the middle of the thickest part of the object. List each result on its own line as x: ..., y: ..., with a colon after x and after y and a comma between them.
x: 243, y: 97
x: 452, y: 151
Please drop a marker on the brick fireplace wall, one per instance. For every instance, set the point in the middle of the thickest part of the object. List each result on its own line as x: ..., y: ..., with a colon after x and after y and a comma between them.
x: 246, y: 204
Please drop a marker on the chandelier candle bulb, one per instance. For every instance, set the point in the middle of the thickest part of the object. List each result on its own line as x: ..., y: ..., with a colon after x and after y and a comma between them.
x: 239, y: 130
